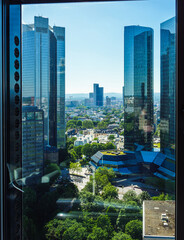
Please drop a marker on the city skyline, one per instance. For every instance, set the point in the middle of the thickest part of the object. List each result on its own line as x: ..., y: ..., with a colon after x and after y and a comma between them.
x: 95, y: 33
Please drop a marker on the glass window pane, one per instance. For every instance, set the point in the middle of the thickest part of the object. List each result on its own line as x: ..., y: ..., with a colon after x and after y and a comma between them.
x: 99, y: 120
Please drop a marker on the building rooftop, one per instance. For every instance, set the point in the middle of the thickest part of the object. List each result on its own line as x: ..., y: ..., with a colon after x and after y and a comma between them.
x: 159, y: 218
x: 113, y: 153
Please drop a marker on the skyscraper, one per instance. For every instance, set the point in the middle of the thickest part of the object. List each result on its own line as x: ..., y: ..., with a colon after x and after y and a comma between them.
x: 97, y: 95
x: 59, y: 33
x: 138, y: 86
x: 168, y: 86
x: 32, y: 140
x: 43, y: 75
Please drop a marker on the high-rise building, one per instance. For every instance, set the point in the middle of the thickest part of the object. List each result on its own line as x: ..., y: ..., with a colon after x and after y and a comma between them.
x: 168, y: 86
x: 123, y: 90
x: 108, y: 101
x: 97, y: 95
x: 59, y: 33
x: 138, y: 86
x: 43, y: 76
x: 53, y: 113
x: 32, y: 140
x: 91, y: 95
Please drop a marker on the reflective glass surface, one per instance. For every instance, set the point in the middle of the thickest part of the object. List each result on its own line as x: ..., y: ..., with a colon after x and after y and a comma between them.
x: 99, y: 120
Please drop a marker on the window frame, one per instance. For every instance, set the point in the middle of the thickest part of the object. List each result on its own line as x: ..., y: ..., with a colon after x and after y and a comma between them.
x: 5, y: 106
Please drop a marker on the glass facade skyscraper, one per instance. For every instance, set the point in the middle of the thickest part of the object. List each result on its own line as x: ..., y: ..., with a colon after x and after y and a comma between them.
x: 168, y: 86
x: 32, y: 140
x: 97, y: 95
x: 59, y: 33
x: 43, y: 76
x: 138, y: 86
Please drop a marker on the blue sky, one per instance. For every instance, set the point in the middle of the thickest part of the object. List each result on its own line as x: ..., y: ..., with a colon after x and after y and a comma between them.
x: 95, y: 38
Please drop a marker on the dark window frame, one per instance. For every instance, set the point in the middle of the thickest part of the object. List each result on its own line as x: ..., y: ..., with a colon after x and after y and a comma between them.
x: 5, y: 105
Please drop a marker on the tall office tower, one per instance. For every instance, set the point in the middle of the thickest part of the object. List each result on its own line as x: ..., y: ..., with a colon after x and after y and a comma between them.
x: 97, y: 95
x: 36, y: 68
x: 59, y: 33
x: 123, y: 90
x: 53, y: 92
x: 138, y: 86
x: 168, y: 86
x: 43, y: 75
x: 32, y: 140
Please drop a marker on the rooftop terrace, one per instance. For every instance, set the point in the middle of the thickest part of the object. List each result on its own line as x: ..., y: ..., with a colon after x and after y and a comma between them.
x: 159, y: 218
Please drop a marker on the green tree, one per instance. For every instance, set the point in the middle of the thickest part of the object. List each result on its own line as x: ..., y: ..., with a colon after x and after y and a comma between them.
x: 121, y: 236
x: 72, y: 155
x: 78, y: 151
x: 79, y: 123
x: 90, y: 203
x: 109, y: 192
x: 75, y: 232
x: 70, y: 141
x: 71, y: 124
x: 144, y: 196
x: 75, y: 167
x: 163, y: 197
x: 87, y: 124
x: 112, y: 213
x: 134, y: 229
x: 102, y: 177
x: 110, y: 146
x: 98, y: 233
x: 127, y: 213
x: 111, y: 137
x: 103, y: 222
x: 51, y: 168
x: 55, y: 228
x: 102, y: 125
x: 86, y: 150
x: 130, y: 196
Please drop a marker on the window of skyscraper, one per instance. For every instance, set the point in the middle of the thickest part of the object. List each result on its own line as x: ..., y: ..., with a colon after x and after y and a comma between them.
x: 98, y: 109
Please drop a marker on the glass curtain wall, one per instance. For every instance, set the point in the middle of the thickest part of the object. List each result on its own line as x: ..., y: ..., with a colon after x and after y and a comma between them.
x: 99, y: 120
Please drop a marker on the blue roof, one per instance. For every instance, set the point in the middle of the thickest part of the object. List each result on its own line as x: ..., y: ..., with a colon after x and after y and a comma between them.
x: 148, y: 156
x: 139, y: 147
x: 159, y: 159
x: 139, y: 157
x: 166, y: 171
x: 111, y: 162
x: 95, y: 159
x: 169, y: 164
x: 92, y: 164
x: 160, y: 176
x: 125, y: 171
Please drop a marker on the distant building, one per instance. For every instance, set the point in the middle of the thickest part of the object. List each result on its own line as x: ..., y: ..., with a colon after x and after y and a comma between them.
x: 108, y: 101
x: 168, y: 87
x: 32, y: 140
x: 91, y: 95
x: 159, y: 220
x: 82, y: 140
x: 138, y: 86
x: 88, y: 102
x: 97, y: 95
